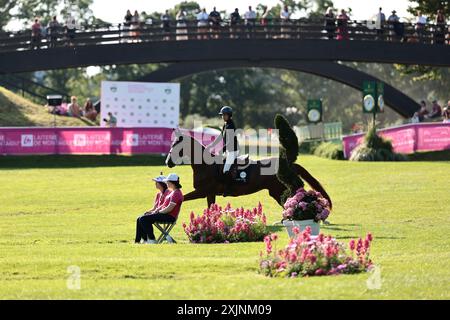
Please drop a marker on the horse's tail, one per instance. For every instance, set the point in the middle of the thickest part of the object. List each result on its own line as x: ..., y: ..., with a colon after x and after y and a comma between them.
x: 305, y: 175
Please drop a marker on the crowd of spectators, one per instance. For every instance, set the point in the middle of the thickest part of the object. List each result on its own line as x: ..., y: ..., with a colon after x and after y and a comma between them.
x: 212, y: 25
x: 435, y: 114
x: 53, y: 32
x: 73, y: 109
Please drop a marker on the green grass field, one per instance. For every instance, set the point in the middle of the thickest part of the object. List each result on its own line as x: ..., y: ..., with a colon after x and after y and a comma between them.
x: 59, y: 212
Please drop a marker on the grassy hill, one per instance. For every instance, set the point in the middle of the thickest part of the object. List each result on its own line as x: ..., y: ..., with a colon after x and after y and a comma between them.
x: 16, y: 111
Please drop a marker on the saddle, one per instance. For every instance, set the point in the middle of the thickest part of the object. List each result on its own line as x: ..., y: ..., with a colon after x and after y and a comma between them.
x: 240, y: 169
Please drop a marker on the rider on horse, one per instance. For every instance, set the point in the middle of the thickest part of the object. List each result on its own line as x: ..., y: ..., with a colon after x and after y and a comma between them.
x: 230, y: 146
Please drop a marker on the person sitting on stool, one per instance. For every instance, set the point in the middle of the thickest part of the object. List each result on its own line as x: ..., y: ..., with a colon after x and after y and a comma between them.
x: 165, y: 213
x: 161, y: 186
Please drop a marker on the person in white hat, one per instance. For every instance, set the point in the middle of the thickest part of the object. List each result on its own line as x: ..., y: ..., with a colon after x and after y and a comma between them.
x: 167, y: 212
x: 163, y: 192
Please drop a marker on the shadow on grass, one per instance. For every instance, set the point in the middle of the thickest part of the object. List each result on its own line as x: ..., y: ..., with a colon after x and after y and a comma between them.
x: 78, y: 161
x: 443, y: 155
x: 277, y: 228
x: 375, y: 238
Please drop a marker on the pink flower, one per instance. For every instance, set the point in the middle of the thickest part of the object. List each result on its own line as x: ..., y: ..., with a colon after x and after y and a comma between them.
x: 352, y: 244
x: 319, y: 272
x: 274, y: 237
x: 295, y: 230
x: 369, y: 237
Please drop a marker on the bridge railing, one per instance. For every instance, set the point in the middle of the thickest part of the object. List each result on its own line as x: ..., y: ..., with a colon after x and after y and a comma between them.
x: 189, y: 30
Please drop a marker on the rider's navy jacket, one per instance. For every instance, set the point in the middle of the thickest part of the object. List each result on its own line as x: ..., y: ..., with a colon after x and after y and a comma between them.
x: 230, y: 143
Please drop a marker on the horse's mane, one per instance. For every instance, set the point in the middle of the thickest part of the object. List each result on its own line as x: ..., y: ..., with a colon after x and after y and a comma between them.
x: 184, y: 135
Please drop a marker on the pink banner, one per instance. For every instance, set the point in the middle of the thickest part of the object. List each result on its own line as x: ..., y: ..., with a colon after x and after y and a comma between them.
x: 89, y: 140
x: 408, y: 138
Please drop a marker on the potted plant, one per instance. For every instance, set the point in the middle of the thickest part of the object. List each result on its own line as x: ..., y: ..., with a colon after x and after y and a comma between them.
x: 303, y: 209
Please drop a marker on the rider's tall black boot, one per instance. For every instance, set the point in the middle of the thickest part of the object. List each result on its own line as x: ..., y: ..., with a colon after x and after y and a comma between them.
x: 228, y: 181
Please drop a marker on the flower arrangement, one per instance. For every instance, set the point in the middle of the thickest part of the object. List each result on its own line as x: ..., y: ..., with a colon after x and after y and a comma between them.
x: 305, y: 256
x: 224, y: 225
x: 306, y: 205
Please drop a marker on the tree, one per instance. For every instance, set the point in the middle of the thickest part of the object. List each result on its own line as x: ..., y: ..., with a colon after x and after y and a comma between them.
x: 5, y: 12
x: 27, y: 10
x: 429, y: 7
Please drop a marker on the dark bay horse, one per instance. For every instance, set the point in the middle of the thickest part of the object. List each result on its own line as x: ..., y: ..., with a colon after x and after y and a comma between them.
x: 207, y: 174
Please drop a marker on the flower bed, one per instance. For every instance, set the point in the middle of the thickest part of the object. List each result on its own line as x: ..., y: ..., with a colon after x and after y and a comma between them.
x: 223, y: 225
x: 305, y: 205
x: 304, y: 256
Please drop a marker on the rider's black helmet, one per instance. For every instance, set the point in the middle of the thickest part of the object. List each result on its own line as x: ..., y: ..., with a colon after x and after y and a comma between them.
x: 226, y: 110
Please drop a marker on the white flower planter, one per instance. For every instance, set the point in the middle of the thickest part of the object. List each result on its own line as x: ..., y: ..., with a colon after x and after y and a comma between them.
x: 302, y: 224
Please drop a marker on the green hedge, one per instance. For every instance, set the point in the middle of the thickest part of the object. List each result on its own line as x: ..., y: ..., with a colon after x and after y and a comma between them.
x: 376, y: 148
x: 329, y: 150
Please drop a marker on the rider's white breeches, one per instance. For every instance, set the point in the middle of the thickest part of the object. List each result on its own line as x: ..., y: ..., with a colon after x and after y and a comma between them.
x: 230, y: 157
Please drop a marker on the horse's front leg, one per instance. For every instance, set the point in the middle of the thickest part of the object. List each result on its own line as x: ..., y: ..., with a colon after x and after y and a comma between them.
x: 196, y: 194
x: 211, y: 198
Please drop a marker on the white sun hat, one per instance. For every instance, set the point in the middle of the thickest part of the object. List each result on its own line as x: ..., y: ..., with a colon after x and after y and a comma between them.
x: 159, y: 178
x: 172, y: 177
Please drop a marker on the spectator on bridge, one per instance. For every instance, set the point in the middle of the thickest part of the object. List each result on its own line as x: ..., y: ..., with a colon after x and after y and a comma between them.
x: 111, y: 121
x: 36, y: 34
x: 266, y: 19
x: 165, y: 18
x: 440, y: 27
x: 285, y: 17
x: 342, y: 22
x: 127, y: 24
x: 379, y: 23
x: 394, y: 26
x: 182, y: 32
x: 53, y: 29
x: 250, y: 21
x: 135, y: 25
x: 421, y: 23
x: 215, y: 19
x: 74, y: 109
x: 202, y: 24
x: 89, y: 110
x: 71, y: 27
x: 235, y: 21
x: 423, y: 112
x: 414, y: 38
x: 436, y: 111
x: 330, y: 23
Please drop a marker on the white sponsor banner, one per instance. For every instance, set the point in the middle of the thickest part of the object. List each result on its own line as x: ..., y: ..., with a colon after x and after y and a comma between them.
x: 141, y: 104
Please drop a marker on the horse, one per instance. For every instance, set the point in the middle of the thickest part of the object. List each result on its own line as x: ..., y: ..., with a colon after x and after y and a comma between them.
x: 207, y: 174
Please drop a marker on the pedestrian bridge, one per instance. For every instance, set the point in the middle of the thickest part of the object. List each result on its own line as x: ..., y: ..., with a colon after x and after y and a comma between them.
x: 301, y: 40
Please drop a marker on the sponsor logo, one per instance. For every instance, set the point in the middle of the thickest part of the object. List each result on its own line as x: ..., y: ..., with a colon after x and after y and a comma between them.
x: 132, y: 140
x: 168, y: 91
x: 79, y: 140
x: 27, y: 140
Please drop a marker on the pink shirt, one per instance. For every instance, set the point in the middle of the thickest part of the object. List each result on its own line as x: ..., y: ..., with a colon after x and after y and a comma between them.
x: 175, y: 196
x: 160, y: 197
